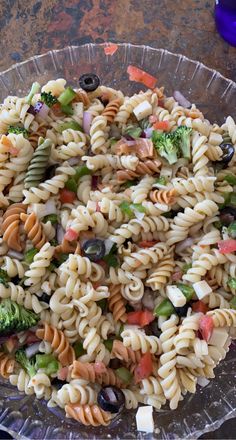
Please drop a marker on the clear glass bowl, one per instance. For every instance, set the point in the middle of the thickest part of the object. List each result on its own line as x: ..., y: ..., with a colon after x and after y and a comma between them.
x: 27, y: 417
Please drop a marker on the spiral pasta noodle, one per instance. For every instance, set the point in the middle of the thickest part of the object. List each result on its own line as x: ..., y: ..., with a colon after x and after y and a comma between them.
x: 117, y: 303
x: 88, y: 414
x: 60, y: 345
x: 106, y: 227
x: 33, y: 229
x: 11, y: 225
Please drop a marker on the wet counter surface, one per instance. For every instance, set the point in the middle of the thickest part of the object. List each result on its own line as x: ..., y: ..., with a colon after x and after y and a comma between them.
x: 31, y: 27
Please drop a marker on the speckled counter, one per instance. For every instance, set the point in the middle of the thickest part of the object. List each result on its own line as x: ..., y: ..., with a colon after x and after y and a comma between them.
x: 31, y: 27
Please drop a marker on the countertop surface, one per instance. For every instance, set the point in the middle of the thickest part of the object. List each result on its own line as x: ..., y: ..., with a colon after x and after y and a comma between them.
x: 31, y: 27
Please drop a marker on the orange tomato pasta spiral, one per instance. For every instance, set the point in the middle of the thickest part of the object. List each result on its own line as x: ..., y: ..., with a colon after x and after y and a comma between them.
x: 88, y: 414
x: 11, y: 225
x: 87, y: 371
x: 163, y: 196
x: 34, y: 229
x: 82, y: 96
x: 149, y: 167
x: 6, y: 365
x: 116, y: 303
x: 125, y: 354
x: 59, y: 343
x: 111, y: 110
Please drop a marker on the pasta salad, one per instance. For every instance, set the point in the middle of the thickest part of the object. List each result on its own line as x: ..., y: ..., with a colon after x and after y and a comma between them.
x: 117, y: 246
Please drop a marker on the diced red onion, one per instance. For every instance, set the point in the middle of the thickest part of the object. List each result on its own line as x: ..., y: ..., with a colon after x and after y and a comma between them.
x: 181, y: 99
x: 60, y: 234
x: 143, y: 134
x: 31, y: 110
x: 15, y: 254
x: 87, y: 121
x: 43, y: 112
x: 74, y: 160
x: 95, y: 180
x: 32, y: 350
x: 148, y: 300
x: 148, y: 131
x: 182, y: 245
x: 50, y: 207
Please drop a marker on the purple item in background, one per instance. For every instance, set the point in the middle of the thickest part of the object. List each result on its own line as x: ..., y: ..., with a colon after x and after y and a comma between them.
x: 225, y: 17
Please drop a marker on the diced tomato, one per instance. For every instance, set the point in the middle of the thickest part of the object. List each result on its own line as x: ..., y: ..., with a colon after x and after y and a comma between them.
x: 206, y: 326
x: 110, y: 49
x: 71, y: 235
x: 147, y: 244
x: 134, y: 318
x: 227, y: 246
x: 62, y: 373
x: 199, y: 306
x: 162, y: 125
x: 176, y: 276
x: 100, y: 368
x: 67, y: 196
x: 145, y: 367
x: 152, y: 119
x: 138, y: 75
x: 146, y: 318
x: 140, y: 317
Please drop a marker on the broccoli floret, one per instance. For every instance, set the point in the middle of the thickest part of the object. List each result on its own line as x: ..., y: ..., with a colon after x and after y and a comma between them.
x: 183, y: 135
x: 48, y: 98
x: 166, y: 145
x: 18, y: 130
x: 15, y: 318
x: 4, y: 278
x: 27, y: 364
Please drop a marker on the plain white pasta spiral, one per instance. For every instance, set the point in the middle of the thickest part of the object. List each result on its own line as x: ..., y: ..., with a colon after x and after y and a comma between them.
x: 21, y: 381
x: 203, y: 264
x: 13, y: 267
x: 167, y: 371
x: 187, y: 333
x: 101, y: 161
x: 140, y: 191
x: 98, y: 135
x: 199, y: 157
x: 76, y: 391
x: 138, y: 340
x: 22, y: 297
x: 135, y: 227
x: 183, y: 221
x: 41, y: 262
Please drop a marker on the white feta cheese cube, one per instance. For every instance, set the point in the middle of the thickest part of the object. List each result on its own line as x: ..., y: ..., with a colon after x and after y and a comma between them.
x: 202, y: 289
x: 144, y: 419
x: 219, y: 337
x: 142, y: 110
x: 176, y: 296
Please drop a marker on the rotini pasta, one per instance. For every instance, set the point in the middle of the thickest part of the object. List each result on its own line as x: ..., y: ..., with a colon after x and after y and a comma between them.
x: 104, y: 229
